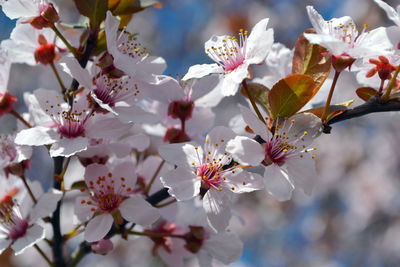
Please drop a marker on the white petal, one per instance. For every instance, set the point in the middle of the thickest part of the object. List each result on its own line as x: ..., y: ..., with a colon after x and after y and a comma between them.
x: 204, y: 85
x: 317, y: 21
x: 33, y: 235
x: 98, y: 227
x: 36, y: 136
x: 225, y: 247
x: 50, y: 101
x: 111, y: 28
x: 213, y: 98
x: 335, y: 46
x: 139, y: 141
x: 76, y: 71
x: 82, y: 210
x: 259, y: 42
x: 246, y: 151
x: 67, y: 147
x: 243, y: 182
x: 136, y: 209
x: 135, y: 114
x: 205, y: 259
x: 182, y: 154
x: 202, y: 120
x: 20, y: 8
x: 217, y: 139
x: 105, y: 127
x: 277, y: 183
x: 45, y: 205
x: 199, y: 71
x: 181, y: 183
x: 4, y: 70
x: 302, y: 173
x: 255, y: 124
x: 217, y: 206
x: 165, y: 89
x: 391, y: 13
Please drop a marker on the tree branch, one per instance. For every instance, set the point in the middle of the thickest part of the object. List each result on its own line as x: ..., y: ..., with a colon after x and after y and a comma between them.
x: 373, y: 105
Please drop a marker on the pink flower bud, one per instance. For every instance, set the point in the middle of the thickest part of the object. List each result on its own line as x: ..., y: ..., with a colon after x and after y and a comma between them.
x: 181, y: 109
x: 195, y: 238
x: 174, y: 135
x: 102, y: 247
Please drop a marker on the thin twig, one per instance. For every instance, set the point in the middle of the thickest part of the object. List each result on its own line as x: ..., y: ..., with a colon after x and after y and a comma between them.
x: 63, y: 89
x: 67, y: 44
x: 147, y: 190
x: 253, y: 103
x: 43, y: 255
x: 20, y: 118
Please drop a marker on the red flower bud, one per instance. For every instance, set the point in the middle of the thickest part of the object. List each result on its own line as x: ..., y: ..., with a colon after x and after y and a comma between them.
x: 173, y: 135
x: 6, y: 103
x: 181, y: 109
x: 103, y: 246
x: 341, y: 62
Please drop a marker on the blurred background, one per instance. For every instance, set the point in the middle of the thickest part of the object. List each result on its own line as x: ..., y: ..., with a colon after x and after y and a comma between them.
x: 353, y: 215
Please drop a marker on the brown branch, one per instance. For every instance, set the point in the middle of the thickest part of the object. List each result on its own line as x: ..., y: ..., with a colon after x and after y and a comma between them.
x: 373, y: 105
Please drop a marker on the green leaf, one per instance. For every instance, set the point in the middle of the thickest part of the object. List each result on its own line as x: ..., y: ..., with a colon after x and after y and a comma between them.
x: 312, y: 60
x: 127, y: 7
x: 95, y: 10
x: 259, y: 93
x: 290, y: 94
x: 365, y: 93
x: 78, y: 185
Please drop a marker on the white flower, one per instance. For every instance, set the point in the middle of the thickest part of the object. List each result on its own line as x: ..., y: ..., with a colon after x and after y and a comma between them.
x: 18, y: 221
x: 208, y: 174
x: 119, y: 96
x: 176, y: 104
x: 6, y: 99
x: 129, y: 56
x: 71, y: 129
x: 233, y: 57
x: 285, y: 154
x: 341, y: 38
x: 110, y: 191
x: 15, y: 9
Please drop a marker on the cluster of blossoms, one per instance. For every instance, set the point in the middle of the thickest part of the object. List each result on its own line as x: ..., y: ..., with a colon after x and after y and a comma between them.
x: 150, y: 160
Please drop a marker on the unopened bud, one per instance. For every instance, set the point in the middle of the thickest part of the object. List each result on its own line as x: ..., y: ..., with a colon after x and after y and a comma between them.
x: 102, y: 247
x: 45, y: 53
x: 342, y: 62
x: 17, y: 169
x: 106, y: 63
x: 195, y: 238
x: 6, y: 103
x: 181, y: 109
x: 173, y: 135
x: 49, y: 13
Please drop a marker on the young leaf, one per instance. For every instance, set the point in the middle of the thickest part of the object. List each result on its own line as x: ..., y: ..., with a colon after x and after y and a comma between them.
x: 95, y: 10
x: 127, y: 7
x: 259, y: 92
x: 290, y: 94
x: 365, y: 93
x: 311, y: 59
x: 333, y: 111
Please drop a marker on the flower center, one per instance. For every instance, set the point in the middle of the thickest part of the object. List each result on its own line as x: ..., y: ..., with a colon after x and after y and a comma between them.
x: 19, y: 228
x: 71, y: 129
x: 210, y: 175
x: 108, y: 202
x: 346, y: 33
x: 231, y: 54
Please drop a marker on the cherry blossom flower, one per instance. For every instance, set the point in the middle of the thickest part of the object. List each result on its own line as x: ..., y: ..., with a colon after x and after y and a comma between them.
x: 18, y: 221
x: 71, y: 129
x: 209, y: 174
x: 233, y: 57
x: 285, y: 154
x: 14, y: 159
x: 118, y: 96
x: 6, y: 99
x: 176, y: 104
x: 342, y: 39
x: 128, y: 54
x: 40, y: 13
x: 111, y: 195
x: 30, y: 46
